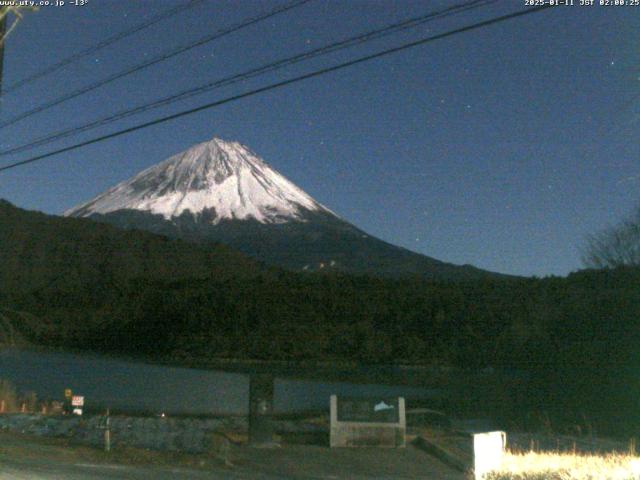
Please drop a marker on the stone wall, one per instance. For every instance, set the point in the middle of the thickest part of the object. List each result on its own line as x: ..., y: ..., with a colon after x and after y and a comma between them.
x: 192, y: 435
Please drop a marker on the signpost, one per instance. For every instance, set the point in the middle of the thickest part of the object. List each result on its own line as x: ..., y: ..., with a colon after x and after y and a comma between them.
x: 105, y: 424
x: 77, y: 402
x: 368, y: 422
x: 261, y: 410
x: 66, y: 406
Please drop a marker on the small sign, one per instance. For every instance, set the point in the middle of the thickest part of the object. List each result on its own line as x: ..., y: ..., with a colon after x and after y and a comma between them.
x: 362, y: 422
x: 68, y: 393
x: 77, y: 411
x: 380, y: 410
x: 77, y: 401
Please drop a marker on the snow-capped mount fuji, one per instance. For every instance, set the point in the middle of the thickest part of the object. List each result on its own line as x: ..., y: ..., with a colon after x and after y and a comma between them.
x: 225, y: 180
x: 223, y: 192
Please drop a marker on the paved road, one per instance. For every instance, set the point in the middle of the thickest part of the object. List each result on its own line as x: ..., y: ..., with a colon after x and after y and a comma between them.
x: 20, y: 469
x: 37, y: 470
x: 24, y: 459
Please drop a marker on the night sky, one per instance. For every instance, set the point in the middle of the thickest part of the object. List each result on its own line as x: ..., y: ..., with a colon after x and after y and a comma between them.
x: 502, y: 147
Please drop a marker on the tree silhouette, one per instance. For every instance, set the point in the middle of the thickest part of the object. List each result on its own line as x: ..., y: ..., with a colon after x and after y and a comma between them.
x: 615, y: 246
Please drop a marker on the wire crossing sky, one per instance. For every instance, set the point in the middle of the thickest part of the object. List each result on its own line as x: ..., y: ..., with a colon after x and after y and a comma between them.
x: 99, y: 46
x: 502, y: 147
x: 147, y: 63
x: 273, y: 86
x: 349, y: 42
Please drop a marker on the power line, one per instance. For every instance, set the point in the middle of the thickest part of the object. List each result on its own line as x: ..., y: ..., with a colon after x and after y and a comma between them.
x: 280, y: 84
x: 100, y: 45
x: 160, y: 58
x: 4, y: 31
x: 268, y: 68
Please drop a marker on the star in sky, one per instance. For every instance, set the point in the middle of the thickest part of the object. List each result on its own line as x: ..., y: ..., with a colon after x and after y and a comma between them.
x: 444, y: 116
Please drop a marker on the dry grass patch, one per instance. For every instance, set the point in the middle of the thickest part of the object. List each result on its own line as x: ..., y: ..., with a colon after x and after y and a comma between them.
x: 567, y: 466
x: 15, y: 445
x: 8, y: 397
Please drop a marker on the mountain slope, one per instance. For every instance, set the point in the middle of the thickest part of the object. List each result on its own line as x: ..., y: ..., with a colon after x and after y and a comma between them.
x: 321, y: 243
x: 225, y: 179
x: 39, y: 251
x: 221, y: 191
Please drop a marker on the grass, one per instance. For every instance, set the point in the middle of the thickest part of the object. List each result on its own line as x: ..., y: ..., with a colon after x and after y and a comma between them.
x: 567, y: 466
x: 14, y: 445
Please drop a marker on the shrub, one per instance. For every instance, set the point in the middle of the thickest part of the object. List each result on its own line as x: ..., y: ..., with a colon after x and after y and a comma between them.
x: 8, y: 396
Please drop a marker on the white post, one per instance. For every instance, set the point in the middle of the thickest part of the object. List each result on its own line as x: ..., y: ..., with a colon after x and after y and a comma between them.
x: 488, y: 451
x: 107, y: 433
x: 334, y: 420
x: 402, y: 418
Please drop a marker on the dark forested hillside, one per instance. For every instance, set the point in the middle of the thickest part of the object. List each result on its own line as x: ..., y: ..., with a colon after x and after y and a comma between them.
x: 95, y: 287
x: 323, y: 242
x: 41, y: 251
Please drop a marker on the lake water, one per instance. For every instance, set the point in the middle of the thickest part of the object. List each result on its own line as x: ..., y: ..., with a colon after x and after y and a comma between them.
x: 136, y: 386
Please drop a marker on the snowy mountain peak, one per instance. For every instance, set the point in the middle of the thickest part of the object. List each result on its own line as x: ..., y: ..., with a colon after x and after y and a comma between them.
x: 225, y: 179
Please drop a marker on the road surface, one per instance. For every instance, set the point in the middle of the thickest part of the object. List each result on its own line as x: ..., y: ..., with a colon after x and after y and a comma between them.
x: 25, y: 458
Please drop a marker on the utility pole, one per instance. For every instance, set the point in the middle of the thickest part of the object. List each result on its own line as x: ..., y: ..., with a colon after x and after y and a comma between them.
x: 3, y: 28
x: 4, y: 31
x: 107, y: 433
